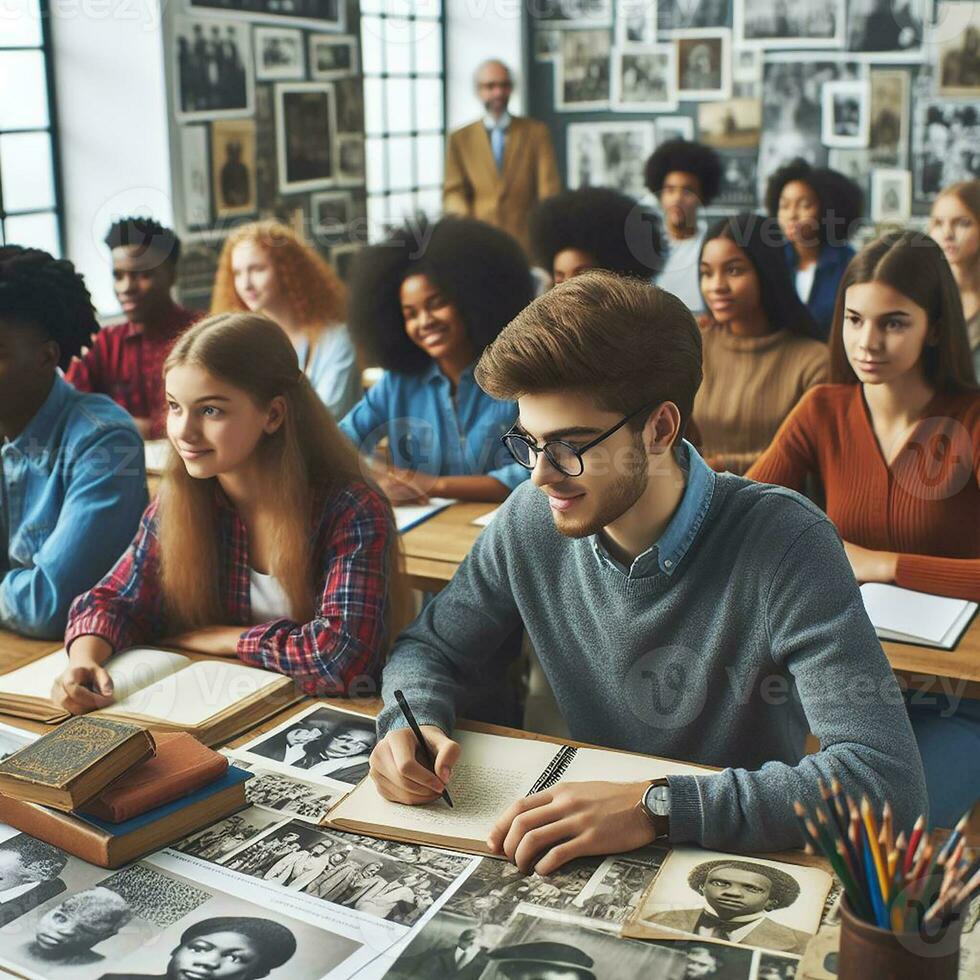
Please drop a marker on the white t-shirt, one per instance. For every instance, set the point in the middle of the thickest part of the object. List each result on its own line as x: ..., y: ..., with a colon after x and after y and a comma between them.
x: 804, y: 281
x: 269, y: 600
x: 680, y: 274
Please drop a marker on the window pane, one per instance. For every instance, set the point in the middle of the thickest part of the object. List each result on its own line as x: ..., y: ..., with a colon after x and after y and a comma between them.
x: 428, y: 103
x: 34, y: 231
x: 372, y: 6
x: 377, y: 209
x: 430, y: 201
x: 23, y: 90
x: 430, y: 159
x: 20, y: 24
x: 400, y: 207
x: 375, y: 151
x: 428, y: 46
x: 374, y: 117
x: 427, y: 8
x: 398, y: 92
x: 398, y: 46
x: 25, y: 163
x: 372, y: 45
x: 401, y: 173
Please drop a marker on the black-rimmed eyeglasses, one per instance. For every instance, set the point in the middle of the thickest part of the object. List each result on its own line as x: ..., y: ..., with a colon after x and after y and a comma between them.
x: 562, y: 455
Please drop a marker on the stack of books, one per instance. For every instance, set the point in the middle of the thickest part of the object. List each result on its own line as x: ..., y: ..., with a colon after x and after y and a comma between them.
x: 109, y: 792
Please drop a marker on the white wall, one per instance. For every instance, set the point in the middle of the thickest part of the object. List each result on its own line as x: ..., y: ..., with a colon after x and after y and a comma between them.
x: 477, y: 30
x: 112, y: 116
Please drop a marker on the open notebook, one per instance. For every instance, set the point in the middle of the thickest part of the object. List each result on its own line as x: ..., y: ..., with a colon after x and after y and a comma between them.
x: 161, y: 690
x: 916, y: 617
x: 408, y: 515
x: 493, y: 771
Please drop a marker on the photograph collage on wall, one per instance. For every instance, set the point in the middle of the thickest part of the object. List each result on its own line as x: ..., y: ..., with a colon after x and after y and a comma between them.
x: 268, y: 106
x: 858, y: 85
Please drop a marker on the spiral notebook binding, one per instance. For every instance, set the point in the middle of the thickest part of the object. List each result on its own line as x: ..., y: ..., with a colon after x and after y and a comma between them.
x: 555, y: 769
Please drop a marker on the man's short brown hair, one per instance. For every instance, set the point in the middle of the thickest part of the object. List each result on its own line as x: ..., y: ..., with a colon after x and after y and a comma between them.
x: 626, y: 342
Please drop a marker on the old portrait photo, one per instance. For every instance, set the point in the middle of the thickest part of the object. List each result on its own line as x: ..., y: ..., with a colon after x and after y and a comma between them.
x: 739, y: 169
x: 330, y: 216
x: 643, y: 79
x: 846, y: 114
x: 284, y: 793
x: 213, y: 71
x: 891, y: 196
x: 572, y: 13
x: 342, y: 259
x: 888, y: 133
x: 305, y: 131
x: 350, y: 158
x: 729, y: 899
x: 278, y: 54
x: 886, y: 30
x: 547, y: 43
x: 332, y: 57
x: 959, y: 49
x: 318, y: 741
x: 734, y: 123
x: 325, y: 15
x: 609, y: 154
x: 704, y: 64
x: 582, y: 71
x: 684, y: 15
x: 233, y: 167
x: 636, y: 22
x: 945, y: 145
x: 789, y: 23
x: 674, y: 128
x: 31, y: 873
x: 195, y: 175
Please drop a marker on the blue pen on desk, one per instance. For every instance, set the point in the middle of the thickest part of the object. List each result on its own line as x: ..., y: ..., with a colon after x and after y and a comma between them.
x: 423, y: 745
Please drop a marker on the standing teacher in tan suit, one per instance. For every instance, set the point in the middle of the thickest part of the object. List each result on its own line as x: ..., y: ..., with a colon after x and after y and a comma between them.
x: 499, y: 167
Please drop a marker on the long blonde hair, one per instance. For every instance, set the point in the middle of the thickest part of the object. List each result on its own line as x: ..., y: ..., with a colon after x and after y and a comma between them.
x: 307, y: 459
x: 316, y: 295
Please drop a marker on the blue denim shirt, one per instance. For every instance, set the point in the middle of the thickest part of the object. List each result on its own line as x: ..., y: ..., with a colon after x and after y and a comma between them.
x: 831, y: 263
x: 71, y: 496
x: 682, y: 528
x: 430, y: 432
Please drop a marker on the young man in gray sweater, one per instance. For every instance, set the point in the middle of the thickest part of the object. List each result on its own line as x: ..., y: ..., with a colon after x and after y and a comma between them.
x: 675, y: 611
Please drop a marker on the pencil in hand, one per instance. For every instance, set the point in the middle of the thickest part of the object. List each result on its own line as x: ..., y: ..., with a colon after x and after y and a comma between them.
x: 424, y: 750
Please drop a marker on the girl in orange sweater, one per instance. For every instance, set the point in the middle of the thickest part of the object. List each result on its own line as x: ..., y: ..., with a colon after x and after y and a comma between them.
x: 895, y: 443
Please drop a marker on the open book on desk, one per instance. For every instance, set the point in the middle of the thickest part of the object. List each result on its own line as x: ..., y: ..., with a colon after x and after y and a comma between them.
x: 493, y: 772
x: 916, y: 617
x: 160, y: 690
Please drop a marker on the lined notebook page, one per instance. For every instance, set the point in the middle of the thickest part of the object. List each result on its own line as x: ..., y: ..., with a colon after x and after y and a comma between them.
x: 492, y: 773
x: 196, y: 693
x: 129, y: 670
x: 620, y: 767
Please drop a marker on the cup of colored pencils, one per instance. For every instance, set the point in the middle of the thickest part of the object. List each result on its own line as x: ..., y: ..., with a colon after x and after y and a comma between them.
x: 905, y: 896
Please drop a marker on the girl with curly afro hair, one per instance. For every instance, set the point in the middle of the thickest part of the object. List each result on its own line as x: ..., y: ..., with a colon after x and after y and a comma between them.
x: 424, y: 305
x: 72, y: 476
x: 595, y: 228
x: 818, y: 210
x: 685, y: 177
x: 266, y: 268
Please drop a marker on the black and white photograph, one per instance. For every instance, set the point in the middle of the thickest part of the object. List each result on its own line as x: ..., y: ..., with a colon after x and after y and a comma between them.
x: 195, y: 175
x: 330, y: 216
x: 959, y: 49
x: 350, y: 158
x: 704, y: 64
x: 888, y: 132
x: 685, y: 15
x: 547, y: 44
x: 332, y: 57
x: 712, y: 961
x: 286, y: 794
x: 945, y: 145
x: 636, y: 22
x: 891, y: 196
x: 789, y: 23
x: 278, y: 54
x: 31, y: 873
x: 213, y: 71
x: 643, y: 79
x: 609, y: 154
x: 384, y: 879
x: 674, y: 128
x: 305, y: 133
x: 730, y: 899
x: 12, y: 740
x: 739, y: 171
x: 532, y: 947
x: 732, y: 124
x: 325, y: 15
x: 572, y: 13
x: 846, y: 114
x: 342, y: 259
x: 233, y: 167
x: 855, y: 164
x: 216, y: 842
x: 582, y: 72
x: 319, y: 741
x: 886, y: 30
x: 349, y: 99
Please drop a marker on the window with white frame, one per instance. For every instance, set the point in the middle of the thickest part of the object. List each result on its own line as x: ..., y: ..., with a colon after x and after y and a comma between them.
x: 402, y: 46
x: 30, y: 205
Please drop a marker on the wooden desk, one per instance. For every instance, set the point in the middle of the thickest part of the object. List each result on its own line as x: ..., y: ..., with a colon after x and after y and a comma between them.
x: 925, y: 667
x: 434, y: 549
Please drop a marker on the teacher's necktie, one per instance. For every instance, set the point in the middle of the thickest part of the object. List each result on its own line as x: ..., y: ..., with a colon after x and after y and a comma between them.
x: 497, y: 145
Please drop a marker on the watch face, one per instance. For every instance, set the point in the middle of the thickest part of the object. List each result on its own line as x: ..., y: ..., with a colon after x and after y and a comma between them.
x: 657, y: 800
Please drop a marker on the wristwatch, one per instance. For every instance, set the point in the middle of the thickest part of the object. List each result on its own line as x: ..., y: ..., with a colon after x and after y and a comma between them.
x: 655, y: 804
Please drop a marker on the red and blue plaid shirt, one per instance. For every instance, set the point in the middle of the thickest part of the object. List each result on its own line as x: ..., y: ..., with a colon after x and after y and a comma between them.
x: 339, y: 652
